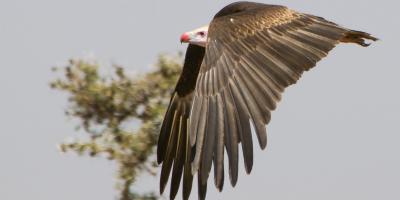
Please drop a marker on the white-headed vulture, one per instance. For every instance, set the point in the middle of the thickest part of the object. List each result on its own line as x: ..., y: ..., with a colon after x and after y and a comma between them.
x: 235, y: 71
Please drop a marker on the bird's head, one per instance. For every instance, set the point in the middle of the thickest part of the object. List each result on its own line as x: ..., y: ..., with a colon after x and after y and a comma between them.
x: 196, y: 37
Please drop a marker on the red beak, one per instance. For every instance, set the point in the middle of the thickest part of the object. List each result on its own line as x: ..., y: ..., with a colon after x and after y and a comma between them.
x: 185, y: 37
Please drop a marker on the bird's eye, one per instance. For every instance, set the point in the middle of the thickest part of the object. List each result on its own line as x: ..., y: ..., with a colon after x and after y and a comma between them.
x: 202, y: 33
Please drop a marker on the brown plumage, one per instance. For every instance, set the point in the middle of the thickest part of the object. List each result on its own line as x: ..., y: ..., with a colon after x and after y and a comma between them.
x: 254, y: 52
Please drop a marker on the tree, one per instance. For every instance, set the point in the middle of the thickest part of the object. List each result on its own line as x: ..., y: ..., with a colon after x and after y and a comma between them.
x: 106, y: 107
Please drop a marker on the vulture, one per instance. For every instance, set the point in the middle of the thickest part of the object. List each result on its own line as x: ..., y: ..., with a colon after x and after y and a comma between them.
x: 234, y: 73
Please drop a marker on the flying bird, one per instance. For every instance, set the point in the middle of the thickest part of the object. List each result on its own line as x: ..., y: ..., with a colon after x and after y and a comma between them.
x: 235, y: 71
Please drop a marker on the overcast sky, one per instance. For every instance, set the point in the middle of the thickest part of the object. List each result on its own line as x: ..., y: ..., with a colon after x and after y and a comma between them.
x: 334, y: 136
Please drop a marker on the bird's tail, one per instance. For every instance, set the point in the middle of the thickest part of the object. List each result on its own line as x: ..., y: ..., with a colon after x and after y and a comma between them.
x: 358, y: 37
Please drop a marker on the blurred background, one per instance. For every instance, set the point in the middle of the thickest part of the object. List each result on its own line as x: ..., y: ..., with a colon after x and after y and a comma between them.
x: 334, y: 136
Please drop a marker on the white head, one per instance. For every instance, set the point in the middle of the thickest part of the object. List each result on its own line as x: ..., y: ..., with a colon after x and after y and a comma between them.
x: 196, y: 37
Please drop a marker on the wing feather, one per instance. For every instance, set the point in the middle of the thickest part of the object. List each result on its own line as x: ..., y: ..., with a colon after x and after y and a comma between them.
x: 219, y: 146
x: 179, y: 159
x: 187, y: 173
x: 209, y: 140
x: 165, y: 132
x: 256, y: 110
x: 171, y: 150
x: 231, y: 135
x: 243, y: 125
x: 200, y: 135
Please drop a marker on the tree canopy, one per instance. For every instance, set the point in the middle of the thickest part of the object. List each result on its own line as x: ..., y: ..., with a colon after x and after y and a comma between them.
x: 107, y: 108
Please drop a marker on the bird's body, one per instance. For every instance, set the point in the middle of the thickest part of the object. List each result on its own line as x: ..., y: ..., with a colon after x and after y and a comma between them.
x: 234, y: 73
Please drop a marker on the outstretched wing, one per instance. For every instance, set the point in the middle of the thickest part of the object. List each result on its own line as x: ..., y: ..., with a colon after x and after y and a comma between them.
x: 174, y: 150
x: 254, y: 51
x: 251, y: 57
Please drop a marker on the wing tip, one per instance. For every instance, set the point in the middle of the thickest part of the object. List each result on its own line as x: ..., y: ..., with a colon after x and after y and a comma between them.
x: 358, y: 37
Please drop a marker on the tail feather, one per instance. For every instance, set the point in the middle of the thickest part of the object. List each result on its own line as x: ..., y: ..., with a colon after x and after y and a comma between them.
x: 358, y: 37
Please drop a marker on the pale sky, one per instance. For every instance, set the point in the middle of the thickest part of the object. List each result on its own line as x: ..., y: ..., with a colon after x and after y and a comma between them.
x: 335, y: 135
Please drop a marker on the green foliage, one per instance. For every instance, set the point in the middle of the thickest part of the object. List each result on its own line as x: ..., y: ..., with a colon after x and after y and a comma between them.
x: 108, y: 106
